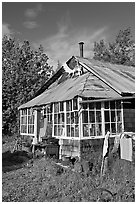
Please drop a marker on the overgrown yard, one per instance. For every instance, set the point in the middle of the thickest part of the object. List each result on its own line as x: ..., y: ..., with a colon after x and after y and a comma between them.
x: 29, y: 180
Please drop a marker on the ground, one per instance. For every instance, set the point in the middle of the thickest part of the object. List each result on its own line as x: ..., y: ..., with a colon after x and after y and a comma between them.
x: 25, y: 179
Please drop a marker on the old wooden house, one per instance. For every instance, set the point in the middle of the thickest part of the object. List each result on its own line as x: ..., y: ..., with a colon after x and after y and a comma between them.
x: 79, y: 107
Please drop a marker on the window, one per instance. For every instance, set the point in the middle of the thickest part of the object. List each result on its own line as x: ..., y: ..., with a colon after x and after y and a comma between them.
x: 113, y: 117
x: 92, y: 119
x: 27, y: 121
x: 72, y: 119
x: 58, y: 118
x: 92, y: 114
x: 30, y: 122
x: 48, y: 112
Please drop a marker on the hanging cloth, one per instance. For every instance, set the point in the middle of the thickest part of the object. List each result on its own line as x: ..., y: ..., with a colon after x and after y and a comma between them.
x: 126, y: 148
x: 116, y: 143
x: 106, y: 144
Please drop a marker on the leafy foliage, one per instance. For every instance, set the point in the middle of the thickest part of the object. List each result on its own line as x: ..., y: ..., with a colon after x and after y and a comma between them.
x: 24, y: 71
x: 121, y: 51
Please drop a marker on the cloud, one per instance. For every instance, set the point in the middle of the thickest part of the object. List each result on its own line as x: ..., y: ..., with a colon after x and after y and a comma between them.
x: 64, y: 44
x: 6, y: 30
x: 30, y: 24
x: 33, y: 12
x: 30, y: 13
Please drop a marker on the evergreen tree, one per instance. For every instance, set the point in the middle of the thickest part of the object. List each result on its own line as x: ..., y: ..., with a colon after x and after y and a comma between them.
x: 121, y: 51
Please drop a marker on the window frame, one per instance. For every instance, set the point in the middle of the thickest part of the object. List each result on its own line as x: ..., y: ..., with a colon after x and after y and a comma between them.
x: 73, y: 125
x: 95, y: 123
x: 74, y: 108
x: 103, y: 109
x: 60, y: 111
x: 27, y: 115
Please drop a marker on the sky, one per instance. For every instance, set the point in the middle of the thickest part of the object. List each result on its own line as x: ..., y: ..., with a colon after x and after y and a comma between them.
x: 60, y: 26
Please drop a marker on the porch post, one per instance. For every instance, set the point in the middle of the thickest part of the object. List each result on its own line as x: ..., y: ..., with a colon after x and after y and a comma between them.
x: 122, y: 115
x: 35, y: 123
x: 103, y: 119
x: 80, y: 126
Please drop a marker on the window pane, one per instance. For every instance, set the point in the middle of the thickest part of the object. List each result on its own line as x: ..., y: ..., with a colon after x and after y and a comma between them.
x: 68, y: 118
x: 98, y: 129
x: 59, y: 118
x: 119, y: 117
x: 30, y: 120
x: 50, y: 117
x: 113, y: 116
x: 56, y: 107
x: 61, y: 106
x: 72, y: 117
x: 68, y: 130
x: 76, y: 131
x: 59, y: 130
x: 98, y: 105
x: 31, y: 129
x: 69, y: 105
x: 91, y: 105
x: 55, y: 119
x: 91, y: 116
x: 76, y: 117
x: 55, y: 130
x: 107, y: 127
x: 85, y: 131
x: 112, y: 104
x: 75, y: 104
x: 106, y: 104
x: 24, y: 120
x: 107, y: 118
x: 62, y: 117
x: 98, y: 116
x: 72, y: 131
x: 92, y: 130
x: 85, y: 116
x: 113, y: 128
x: 24, y: 112
x: 118, y: 104
x: 23, y: 128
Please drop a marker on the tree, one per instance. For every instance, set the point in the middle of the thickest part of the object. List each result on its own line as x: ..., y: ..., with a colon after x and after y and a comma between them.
x: 24, y: 71
x: 121, y: 51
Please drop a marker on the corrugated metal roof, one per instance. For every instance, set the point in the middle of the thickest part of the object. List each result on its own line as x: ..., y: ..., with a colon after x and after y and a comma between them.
x: 119, y: 77
x: 104, y: 80
x: 86, y: 85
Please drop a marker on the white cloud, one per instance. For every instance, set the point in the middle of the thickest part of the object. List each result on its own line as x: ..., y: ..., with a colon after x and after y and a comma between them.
x: 6, y: 30
x: 30, y: 13
x: 33, y: 12
x: 64, y: 43
x: 30, y: 24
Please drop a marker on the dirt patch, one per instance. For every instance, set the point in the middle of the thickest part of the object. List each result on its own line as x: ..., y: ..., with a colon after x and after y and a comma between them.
x: 15, y: 160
